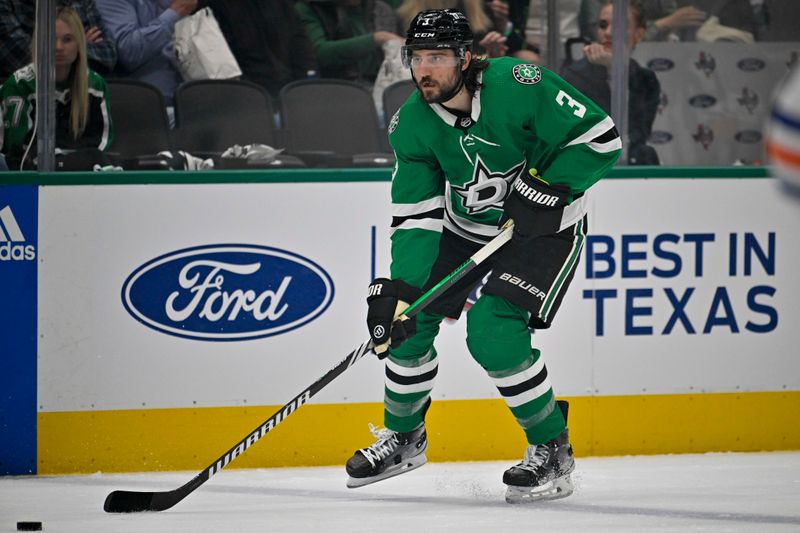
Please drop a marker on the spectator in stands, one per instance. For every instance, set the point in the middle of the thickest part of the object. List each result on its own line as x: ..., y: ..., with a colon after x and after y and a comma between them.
x: 268, y: 39
x: 666, y: 19
x: 590, y: 75
x: 510, y: 17
x: 83, y: 120
x: 488, y: 20
x: 763, y: 20
x: 536, y: 30
x: 348, y: 35
x: 144, y: 31
x: 681, y: 20
x: 3, y: 165
x: 17, y: 20
x: 776, y: 20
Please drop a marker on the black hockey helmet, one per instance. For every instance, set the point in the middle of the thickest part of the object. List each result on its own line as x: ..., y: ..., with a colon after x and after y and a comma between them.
x: 437, y: 28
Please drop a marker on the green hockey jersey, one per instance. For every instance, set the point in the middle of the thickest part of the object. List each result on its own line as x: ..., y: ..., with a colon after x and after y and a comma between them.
x: 455, y: 171
x: 18, y: 104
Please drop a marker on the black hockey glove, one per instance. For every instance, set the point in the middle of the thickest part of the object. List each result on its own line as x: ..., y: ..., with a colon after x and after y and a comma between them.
x: 387, y: 300
x: 535, y: 206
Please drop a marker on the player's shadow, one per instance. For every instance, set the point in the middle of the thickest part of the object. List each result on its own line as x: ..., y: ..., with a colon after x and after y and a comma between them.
x: 493, y: 501
x: 482, y: 498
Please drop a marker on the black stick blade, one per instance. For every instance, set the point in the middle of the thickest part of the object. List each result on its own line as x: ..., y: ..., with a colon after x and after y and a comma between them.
x: 123, y: 501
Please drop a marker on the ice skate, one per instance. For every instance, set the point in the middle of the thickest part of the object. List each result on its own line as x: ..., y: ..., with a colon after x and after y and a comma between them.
x: 544, y: 473
x: 390, y: 455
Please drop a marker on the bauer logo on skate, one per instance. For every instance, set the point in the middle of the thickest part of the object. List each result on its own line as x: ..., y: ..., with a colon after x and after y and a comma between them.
x: 227, y: 292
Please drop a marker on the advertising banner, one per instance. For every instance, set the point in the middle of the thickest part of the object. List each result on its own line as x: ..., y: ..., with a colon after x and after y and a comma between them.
x: 204, y: 295
x: 18, y: 257
x: 715, y: 98
x: 235, y: 295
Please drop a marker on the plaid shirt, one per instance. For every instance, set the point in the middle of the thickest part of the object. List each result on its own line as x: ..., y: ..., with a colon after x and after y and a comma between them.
x: 17, y: 20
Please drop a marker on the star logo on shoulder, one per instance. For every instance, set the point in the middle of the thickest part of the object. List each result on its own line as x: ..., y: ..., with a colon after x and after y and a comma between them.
x: 527, y: 74
x: 487, y: 189
x: 394, y: 122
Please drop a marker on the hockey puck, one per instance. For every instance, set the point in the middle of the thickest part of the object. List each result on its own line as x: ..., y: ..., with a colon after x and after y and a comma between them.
x: 29, y: 526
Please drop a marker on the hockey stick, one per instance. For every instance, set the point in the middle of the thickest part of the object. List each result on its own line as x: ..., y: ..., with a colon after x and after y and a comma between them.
x: 126, y: 501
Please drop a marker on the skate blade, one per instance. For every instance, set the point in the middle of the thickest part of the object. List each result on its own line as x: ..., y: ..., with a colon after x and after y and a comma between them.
x: 553, y: 490
x: 409, y: 465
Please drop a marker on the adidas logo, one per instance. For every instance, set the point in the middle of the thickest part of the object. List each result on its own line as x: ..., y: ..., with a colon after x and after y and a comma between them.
x: 11, y: 233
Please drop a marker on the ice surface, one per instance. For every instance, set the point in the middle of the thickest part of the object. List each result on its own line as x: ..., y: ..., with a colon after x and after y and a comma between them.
x: 708, y: 492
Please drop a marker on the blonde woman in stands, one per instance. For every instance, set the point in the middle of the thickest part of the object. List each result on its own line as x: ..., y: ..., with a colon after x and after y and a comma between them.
x: 83, y: 121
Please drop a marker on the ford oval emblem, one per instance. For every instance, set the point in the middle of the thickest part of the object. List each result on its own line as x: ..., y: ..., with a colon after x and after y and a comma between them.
x: 751, y: 64
x: 227, y: 292
x: 702, y: 101
x: 748, y: 136
x: 660, y: 64
x: 660, y: 137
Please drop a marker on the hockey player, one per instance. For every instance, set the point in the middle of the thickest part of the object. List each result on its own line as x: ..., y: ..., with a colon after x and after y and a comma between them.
x: 783, y: 134
x: 478, y: 143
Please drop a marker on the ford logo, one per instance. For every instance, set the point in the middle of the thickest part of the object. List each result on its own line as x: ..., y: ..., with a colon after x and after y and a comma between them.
x: 660, y: 137
x: 702, y: 100
x: 660, y: 64
x: 748, y: 136
x: 227, y: 292
x: 751, y: 64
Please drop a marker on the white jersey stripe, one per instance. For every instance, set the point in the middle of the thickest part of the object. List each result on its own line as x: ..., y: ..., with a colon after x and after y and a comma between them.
x: 574, y: 212
x: 411, y: 370
x: 104, y: 139
x: 520, y: 377
x: 425, y: 386
x: 429, y: 224
x: 404, y: 210
x: 529, y: 395
x: 559, y: 280
x: 594, y: 132
x: 783, y: 135
x: 610, y: 146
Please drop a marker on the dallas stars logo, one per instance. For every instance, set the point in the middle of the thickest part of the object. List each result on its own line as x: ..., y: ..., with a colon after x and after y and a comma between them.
x: 487, y: 189
x: 527, y: 74
x: 393, y: 123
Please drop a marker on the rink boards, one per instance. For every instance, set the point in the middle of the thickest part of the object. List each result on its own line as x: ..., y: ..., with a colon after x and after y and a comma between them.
x: 172, y: 319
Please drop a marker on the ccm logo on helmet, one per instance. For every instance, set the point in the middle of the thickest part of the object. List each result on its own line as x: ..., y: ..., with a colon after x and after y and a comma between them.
x: 424, y: 35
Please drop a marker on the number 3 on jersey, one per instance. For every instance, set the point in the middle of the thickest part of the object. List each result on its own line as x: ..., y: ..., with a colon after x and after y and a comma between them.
x: 579, y: 109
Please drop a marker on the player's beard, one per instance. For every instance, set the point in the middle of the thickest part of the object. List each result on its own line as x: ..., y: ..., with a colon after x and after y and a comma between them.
x: 434, y: 92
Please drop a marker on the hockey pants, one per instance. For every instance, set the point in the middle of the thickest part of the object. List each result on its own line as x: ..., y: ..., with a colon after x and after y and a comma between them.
x: 498, y: 338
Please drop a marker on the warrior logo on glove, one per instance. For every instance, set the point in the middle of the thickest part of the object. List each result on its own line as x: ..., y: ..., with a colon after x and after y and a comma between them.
x: 387, y: 299
x: 535, y: 206
x: 535, y: 195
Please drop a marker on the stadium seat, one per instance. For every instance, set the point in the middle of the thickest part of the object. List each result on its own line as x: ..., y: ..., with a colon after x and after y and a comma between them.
x: 332, y: 123
x: 139, y: 115
x: 213, y: 115
x: 395, y: 96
